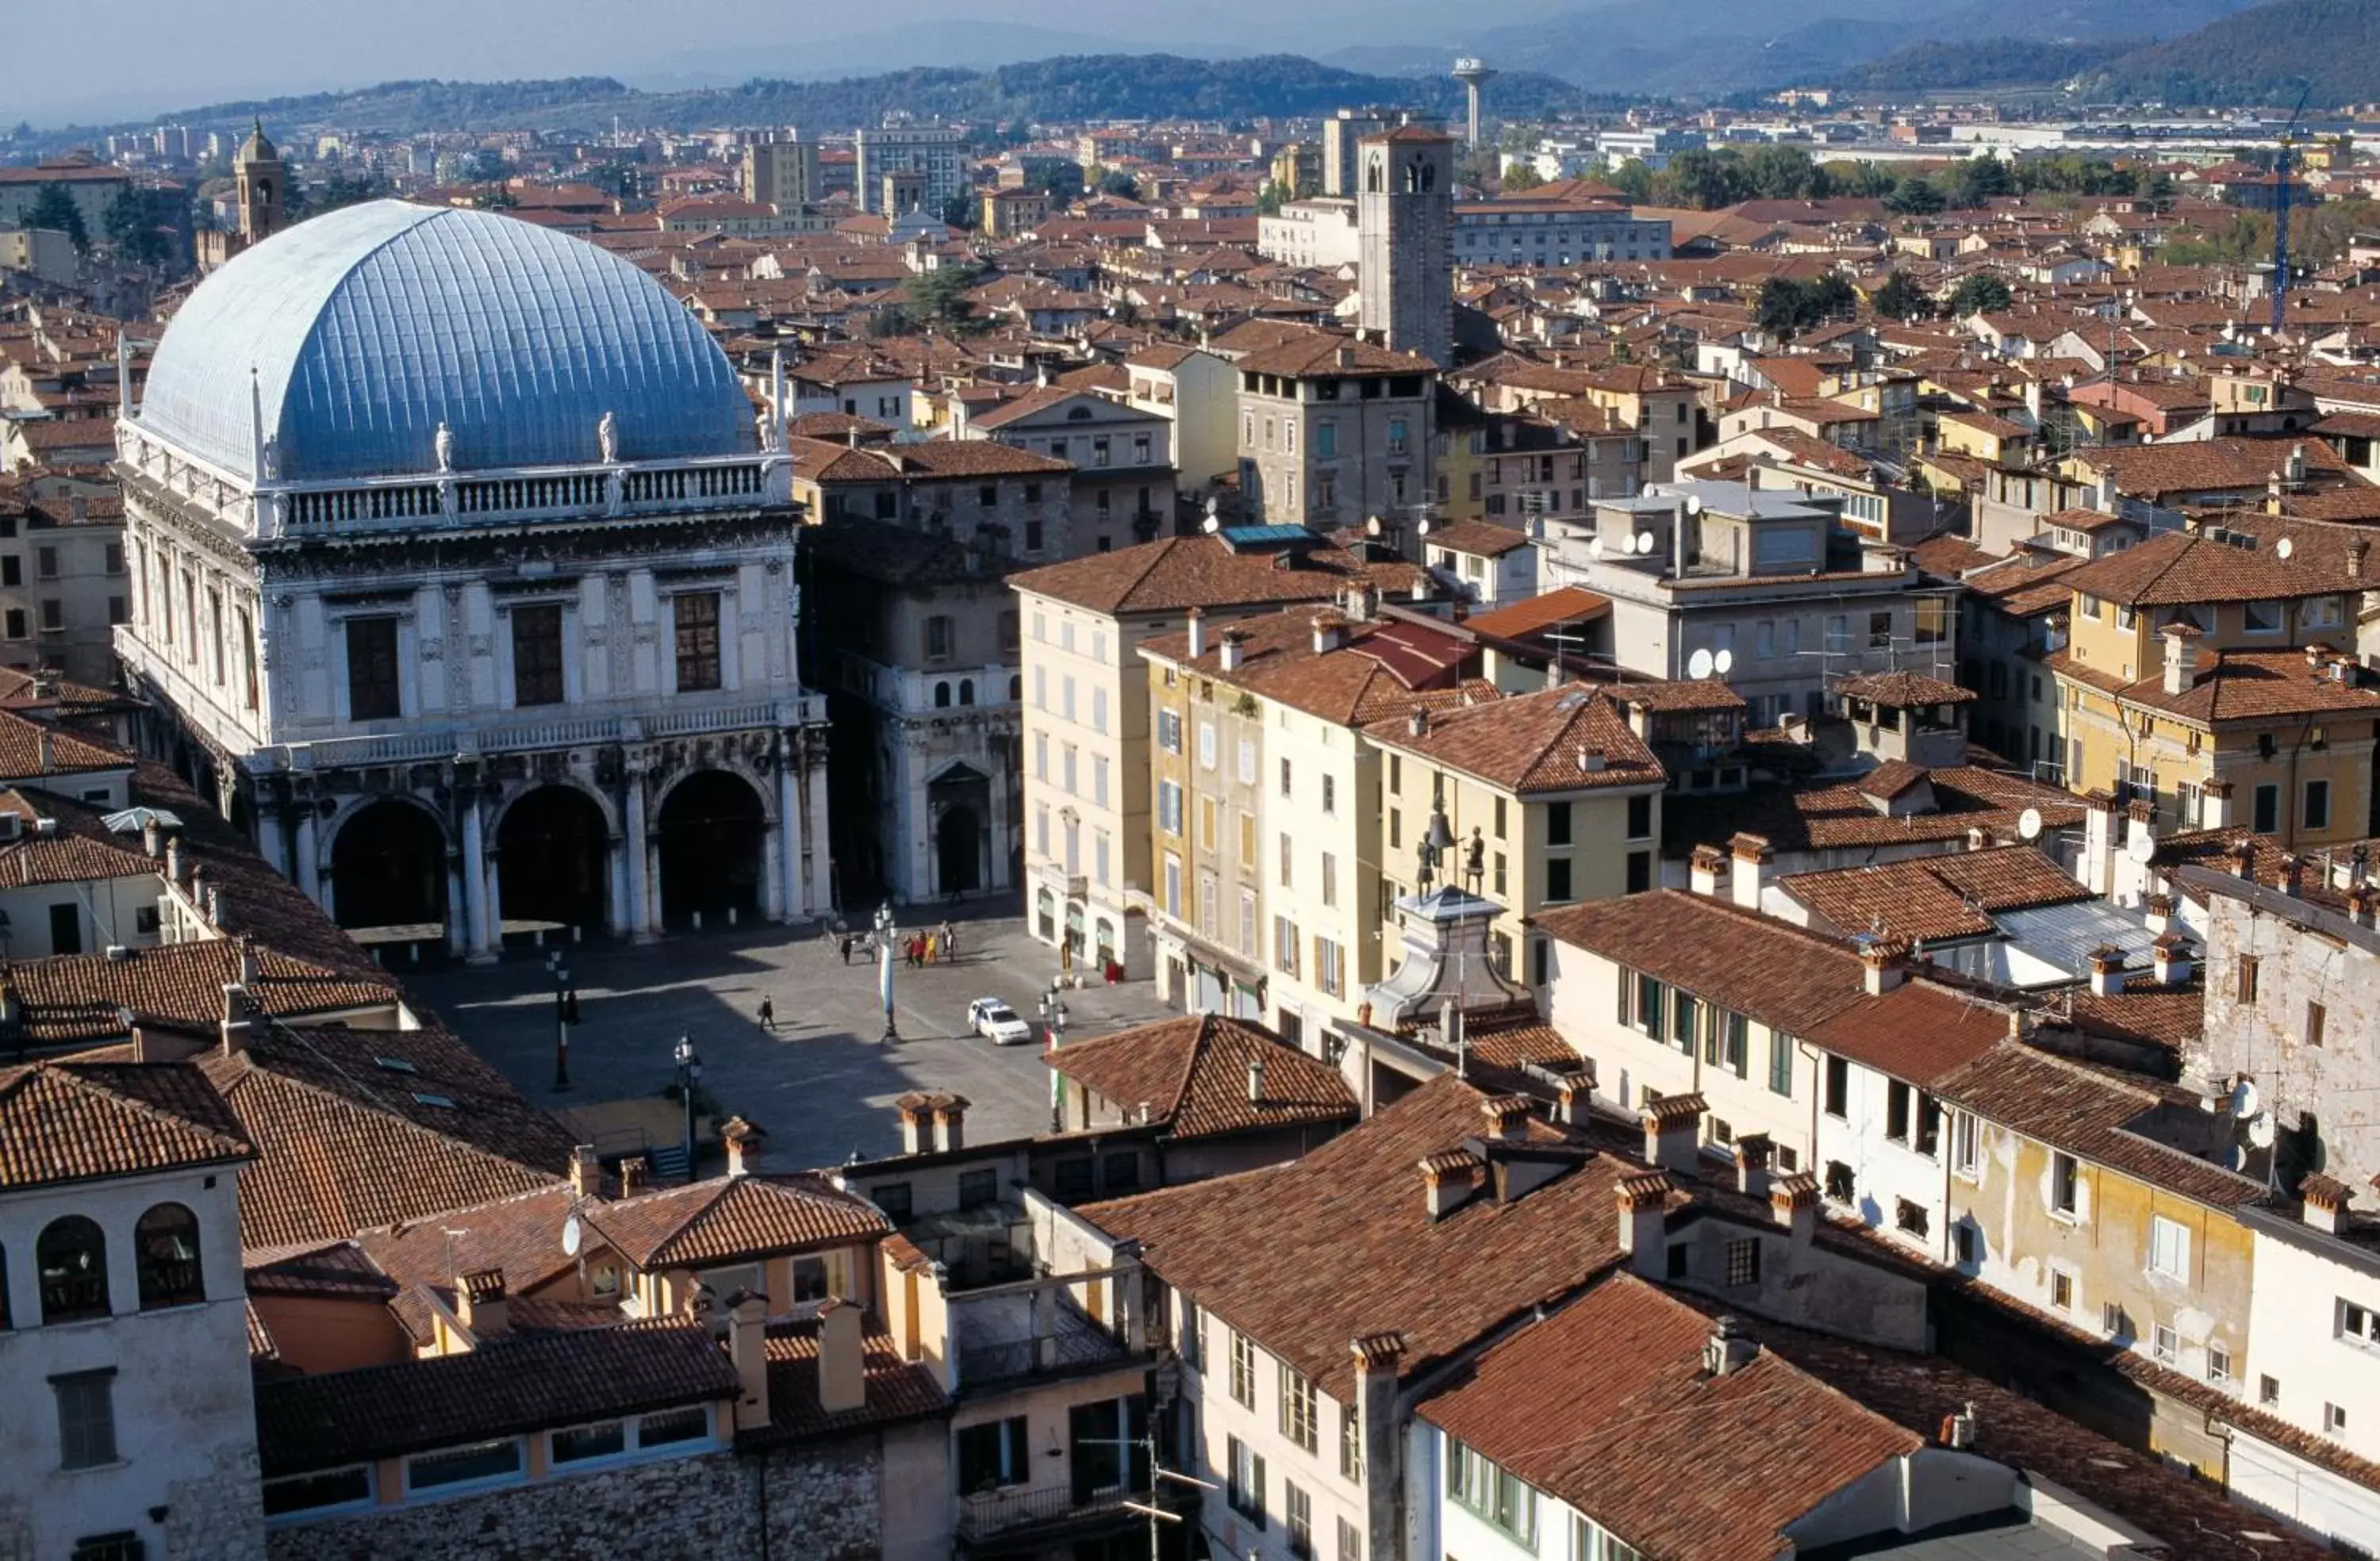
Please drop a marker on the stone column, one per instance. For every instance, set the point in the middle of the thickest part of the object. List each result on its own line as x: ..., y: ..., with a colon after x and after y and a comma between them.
x: 273, y: 836
x: 310, y: 863
x: 785, y: 857
x: 481, y: 939
x: 615, y: 904
x: 995, y: 872
x: 458, y: 925
x: 822, y: 867
x: 644, y: 885
x: 772, y: 871
x: 495, y: 909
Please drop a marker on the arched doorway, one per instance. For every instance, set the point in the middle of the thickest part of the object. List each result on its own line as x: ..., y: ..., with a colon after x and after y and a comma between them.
x: 712, y: 831
x: 388, y: 867
x: 958, y: 840
x: 553, y: 856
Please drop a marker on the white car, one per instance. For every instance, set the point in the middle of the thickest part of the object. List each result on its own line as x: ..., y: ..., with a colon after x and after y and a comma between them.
x: 993, y: 1019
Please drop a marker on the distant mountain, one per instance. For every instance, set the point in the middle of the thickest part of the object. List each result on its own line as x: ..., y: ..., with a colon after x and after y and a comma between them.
x: 957, y: 43
x: 1981, y: 62
x: 1069, y: 88
x: 2267, y: 54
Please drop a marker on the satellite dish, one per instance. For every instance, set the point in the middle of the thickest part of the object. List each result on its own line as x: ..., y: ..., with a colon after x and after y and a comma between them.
x: 1212, y: 526
x: 2284, y: 546
x: 1723, y: 663
x: 570, y: 1236
x: 1698, y: 665
x: 1422, y: 527
x: 2140, y: 848
x: 2261, y: 1133
x: 2028, y: 824
x: 1693, y: 504
x: 1595, y: 547
x: 1644, y: 543
x: 1372, y: 526
x: 2246, y: 1101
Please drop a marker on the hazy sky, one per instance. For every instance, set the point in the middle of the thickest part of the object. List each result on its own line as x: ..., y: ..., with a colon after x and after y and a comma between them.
x: 132, y: 58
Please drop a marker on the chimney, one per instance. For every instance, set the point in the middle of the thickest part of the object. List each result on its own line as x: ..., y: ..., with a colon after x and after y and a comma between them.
x: 2214, y: 806
x: 2356, y: 551
x: 916, y: 1123
x: 1256, y: 1080
x: 748, y: 1334
x: 479, y: 1304
x: 1574, y: 1095
x: 1198, y: 633
x: 238, y: 1019
x: 2170, y: 955
x: 586, y: 1171
x: 1377, y: 1358
x: 175, y: 870
x: 841, y: 1367
x: 1882, y: 966
x: 1752, y: 1164
x: 1644, y: 1211
x: 247, y: 972
x: 1508, y: 1117
x: 950, y: 1123
x: 2326, y: 1202
x: 2106, y: 971
x: 1417, y: 722
x: 2098, y: 846
x: 1728, y: 1350
x: 48, y: 751
x: 636, y: 1175
x: 1448, y: 1180
x: 152, y: 840
x: 1672, y: 1132
x: 2158, y: 911
x: 1234, y: 647
x: 1959, y: 1429
x: 2293, y: 874
x: 743, y: 1141
x: 2363, y: 905
x: 1753, y: 855
x: 2294, y: 473
x: 1329, y: 633
x: 1793, y: 1203
x: 2180, y: 656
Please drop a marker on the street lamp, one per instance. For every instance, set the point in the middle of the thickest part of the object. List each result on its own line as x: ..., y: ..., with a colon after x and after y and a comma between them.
x: 886, y: 933
x: 689, y: 1074
x: 1053, y: 1013
x: 566, y: 1014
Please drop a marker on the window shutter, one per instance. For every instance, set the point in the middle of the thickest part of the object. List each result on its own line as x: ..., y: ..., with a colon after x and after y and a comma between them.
x: 1257, y: 1492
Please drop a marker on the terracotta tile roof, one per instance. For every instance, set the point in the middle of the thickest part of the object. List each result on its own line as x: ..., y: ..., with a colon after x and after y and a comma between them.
x: 23, y: 760
x: 2175, y: 569
x: 1904, y: 689
x: 1556, y: 740
x: 326, y: 1268
x: 1482, y: 536
x: 2088, y: 1113
x: 1838, y: 815
x: 897, y: 1390
x: 345, y: 1143
x: 1934, y: 897
x: 2172, y: 1017
x: 1325, y: 353
x: 78, y: 998
x: 78, y: 848
x: 500, y: 1389
x: 78, y: 1122
x: 1176, y: 572
x: 1305, y: 1256
x: 730, y: 1217
x: 2160, y: 471
x: 1192, y: 1075
x: 1375, y: 668
x: 2194, y: 1521
x: 2027, y: 584
x: 1549, y: 610
x: 2256, y: 685
x: 520, y: 1235
x: 1672, y: 695
x: 1602, y: 1404
x: 1919, y: 1032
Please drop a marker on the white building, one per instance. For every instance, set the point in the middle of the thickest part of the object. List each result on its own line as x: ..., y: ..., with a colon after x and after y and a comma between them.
x: 463, y: 581
x: 125, y: 1362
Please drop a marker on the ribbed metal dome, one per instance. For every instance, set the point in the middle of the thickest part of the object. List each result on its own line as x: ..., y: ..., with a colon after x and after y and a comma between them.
x: 366, y: 328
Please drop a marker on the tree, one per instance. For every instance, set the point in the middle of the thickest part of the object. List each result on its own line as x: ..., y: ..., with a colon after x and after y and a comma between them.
x: 341, y: 189
x: 54, y: 208
x: 131, y: 228
x: 1701, y: 179
x: 1913, y: 198
x: 1269, y: 198
x: 1900, y: 298
x: 1522, y: 176
x: 959, y: 211
x: 939, y: 297
x: 1782, y: 173
x: 1977, y: 179
x: 1981, y: 293
x: 1782, y: 307
x: 1633, y: 179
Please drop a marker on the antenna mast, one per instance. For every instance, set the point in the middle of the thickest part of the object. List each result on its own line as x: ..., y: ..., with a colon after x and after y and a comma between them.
x: 2281, y: 212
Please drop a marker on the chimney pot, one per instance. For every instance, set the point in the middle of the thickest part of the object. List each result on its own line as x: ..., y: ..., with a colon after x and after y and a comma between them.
x: 1752, y: 1152
x: 1673, y: 1131
x: 2106, y: 971
x: 743, y: 1141
x: 586, y: 1171
x: 1728, y: 1350
x: 2326, y: 1202
x: 1793, y: 1203
x: 1256, y: 1080
x: 1644, y: 1216
x: 747, y: 1333
x: 1233, y: 651
x: 480, y: 1305
x: 636, y: 1175
x: 1752, y: 856
x: 2171, y: 961
x: 842, y: 1368
x: 1706, y: 868
x: 1197, y: 633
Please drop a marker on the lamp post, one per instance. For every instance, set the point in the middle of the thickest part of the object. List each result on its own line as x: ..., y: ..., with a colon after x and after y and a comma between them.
x: 1054, y: 1014
x: 689, y: 1074
x: 887, y: 932
x: 565, y: 1006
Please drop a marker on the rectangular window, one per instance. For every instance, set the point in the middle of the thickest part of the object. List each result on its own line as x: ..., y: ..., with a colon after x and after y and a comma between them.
x: 2165, y: 1345
x: 1743, y: 1262
x: 1351, y: 1442
x: 1640, y: 818
x: 2062, y: 1291
x: 580, y: 1443
x: 1330, y: 879
x: 1169, y: 730
x: 537, y: 655
x: 1244, y: 1370
x: 1351, y: 1542
x: 1297, y: 1417
x: 1284, y: 944
x: 2243, y: 988
x: 86, y: 1418
x: 1284, y: 778
x: 1245, y: 1481
x: 2267, y: 810
x: 1168, y: 807
x: 1500, y: 818
x: 351, y: 1486
x: 1966, y: 1134
x: 1781, y: 1064
x: 45, y: 562
x: 54, y: 618
x: 695, y: 614
x: 1205, y: 745
x: 1558, y: 823
x: 2317, y: 1019
x: 2316, y: 815
x: 1735, y: 1033
x: 1492, y: 1494
x: 1297, y: 1509
x: 1329, y: 974
x: 2065, y: 1183
x: 1247, y: 761
x: 992, y: 1454
x: 1896, y: 1111
x: 2168, y: 1247
x: 371, y: 669
x: 1557, y: 879
x: 2219, y: 1365
x: 1838, y: 1087
x: 2334, y: 1420
x: 482, y: 1461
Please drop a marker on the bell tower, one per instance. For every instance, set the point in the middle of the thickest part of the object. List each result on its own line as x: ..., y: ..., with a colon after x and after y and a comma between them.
x: 257, y: 166
x: 1404, y: 220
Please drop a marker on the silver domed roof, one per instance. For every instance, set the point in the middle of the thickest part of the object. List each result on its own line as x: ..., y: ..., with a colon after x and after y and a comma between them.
x: 366, y: 328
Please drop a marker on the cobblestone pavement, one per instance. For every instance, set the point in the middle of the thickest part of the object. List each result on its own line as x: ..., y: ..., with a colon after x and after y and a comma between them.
x: 822, y: 1084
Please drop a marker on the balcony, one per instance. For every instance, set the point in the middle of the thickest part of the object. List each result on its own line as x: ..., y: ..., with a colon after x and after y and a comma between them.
x: 1056, y: 1515
x: 1024, y: 1330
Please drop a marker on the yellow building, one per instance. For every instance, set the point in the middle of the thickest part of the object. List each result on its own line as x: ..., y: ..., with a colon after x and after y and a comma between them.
x: 2199, y: 677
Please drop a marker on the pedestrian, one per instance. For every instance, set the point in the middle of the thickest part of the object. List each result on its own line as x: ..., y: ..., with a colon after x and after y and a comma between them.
x: 846, y: 947
x: 950, y: 942
x: 769, y: 1014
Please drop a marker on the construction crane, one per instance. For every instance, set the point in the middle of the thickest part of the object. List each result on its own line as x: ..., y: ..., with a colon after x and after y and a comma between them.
x: 2281, y: 212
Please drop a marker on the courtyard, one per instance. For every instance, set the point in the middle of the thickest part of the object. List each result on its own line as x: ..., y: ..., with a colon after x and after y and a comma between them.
x: 823, y: 1083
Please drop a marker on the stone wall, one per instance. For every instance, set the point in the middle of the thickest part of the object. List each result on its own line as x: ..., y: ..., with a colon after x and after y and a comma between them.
x: 821, y: 1504
x: 219, y: 1517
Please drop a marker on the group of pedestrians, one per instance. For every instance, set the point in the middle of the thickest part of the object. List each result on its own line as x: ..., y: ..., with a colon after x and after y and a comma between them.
x: 939, y: 946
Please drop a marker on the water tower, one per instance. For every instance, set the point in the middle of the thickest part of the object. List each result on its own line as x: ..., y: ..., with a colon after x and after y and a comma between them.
x: 1475, y: 75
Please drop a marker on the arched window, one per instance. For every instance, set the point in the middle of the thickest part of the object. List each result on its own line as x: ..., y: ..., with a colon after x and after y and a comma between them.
x: 1373, y: 174
x: 966, y: 691
x: 1015, y: 687
x: 942, y: 695
x: 72, y: 1255
x: 166, y: 1245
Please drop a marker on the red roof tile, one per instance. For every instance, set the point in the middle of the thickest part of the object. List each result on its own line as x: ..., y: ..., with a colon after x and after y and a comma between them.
x: 1192, y: 1076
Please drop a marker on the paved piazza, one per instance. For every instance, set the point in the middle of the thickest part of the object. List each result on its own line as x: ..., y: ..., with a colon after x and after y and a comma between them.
x: 822, y: 1084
